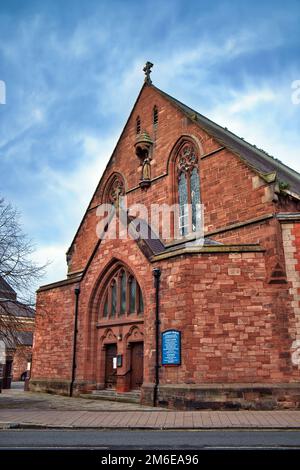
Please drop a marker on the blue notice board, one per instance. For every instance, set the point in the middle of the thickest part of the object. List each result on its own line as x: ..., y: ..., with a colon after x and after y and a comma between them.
x: 171, y: 348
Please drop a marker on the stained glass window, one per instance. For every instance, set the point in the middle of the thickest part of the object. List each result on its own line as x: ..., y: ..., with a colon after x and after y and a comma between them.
x: 132, y: 295
x: 195, y: 199
x: 115, y: 190
x: 113, y: 298
x: 183, y: 201
x: 123, y: 293
x: 141, y: 302
x: 188, y: 189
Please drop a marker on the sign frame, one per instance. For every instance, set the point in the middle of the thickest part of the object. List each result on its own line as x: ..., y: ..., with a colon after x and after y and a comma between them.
x: 164, y: 361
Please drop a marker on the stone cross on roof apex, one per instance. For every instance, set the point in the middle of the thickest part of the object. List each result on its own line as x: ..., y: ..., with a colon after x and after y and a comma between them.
x: 147, y: 70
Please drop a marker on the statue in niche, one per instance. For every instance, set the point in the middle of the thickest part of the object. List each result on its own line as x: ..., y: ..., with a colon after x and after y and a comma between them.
x: 146, y: 170
x: 143, y: 149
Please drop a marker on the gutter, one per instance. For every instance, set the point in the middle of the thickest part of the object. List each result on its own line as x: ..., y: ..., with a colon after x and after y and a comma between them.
x: 156, y: 274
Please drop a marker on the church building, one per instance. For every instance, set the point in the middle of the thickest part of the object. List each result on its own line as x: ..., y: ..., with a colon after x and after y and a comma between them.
x: 203, y: 315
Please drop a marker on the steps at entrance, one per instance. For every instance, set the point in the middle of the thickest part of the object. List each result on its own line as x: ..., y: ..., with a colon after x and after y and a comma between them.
x: 111, y: 395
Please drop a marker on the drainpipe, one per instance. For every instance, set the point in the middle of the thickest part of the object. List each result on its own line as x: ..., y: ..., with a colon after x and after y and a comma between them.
x: 156, y: 274
x: 77, y: 292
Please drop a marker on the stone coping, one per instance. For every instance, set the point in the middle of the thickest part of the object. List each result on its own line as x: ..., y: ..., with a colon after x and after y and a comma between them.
x: 64, y: 282
x: 212, y: 249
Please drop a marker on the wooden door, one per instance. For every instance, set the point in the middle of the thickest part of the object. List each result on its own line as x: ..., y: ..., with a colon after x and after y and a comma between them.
x: 137, y: 365
x: 110, y: 372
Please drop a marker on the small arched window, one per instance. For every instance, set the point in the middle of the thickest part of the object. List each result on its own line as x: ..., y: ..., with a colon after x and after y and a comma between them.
x: 115, y: 190
x: 138, y: 125
x: 155, y: 116
x: 188, y: 189
x: 122, y: 295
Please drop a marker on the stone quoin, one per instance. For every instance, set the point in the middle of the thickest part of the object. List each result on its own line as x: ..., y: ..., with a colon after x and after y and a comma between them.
x: 234, y: 299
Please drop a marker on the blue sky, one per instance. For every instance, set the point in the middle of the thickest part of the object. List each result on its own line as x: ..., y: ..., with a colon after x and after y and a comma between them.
x: 72, y: 71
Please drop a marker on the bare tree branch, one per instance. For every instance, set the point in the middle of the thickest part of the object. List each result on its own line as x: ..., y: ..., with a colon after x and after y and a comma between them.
x: 19, y: 271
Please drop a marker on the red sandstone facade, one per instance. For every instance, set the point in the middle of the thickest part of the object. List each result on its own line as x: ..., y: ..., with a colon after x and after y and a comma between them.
x: 236, y: 303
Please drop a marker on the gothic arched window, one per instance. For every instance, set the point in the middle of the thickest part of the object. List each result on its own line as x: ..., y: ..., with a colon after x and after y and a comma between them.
x: 115, y: 189
x: 188, y: 189
x: 122, y: 295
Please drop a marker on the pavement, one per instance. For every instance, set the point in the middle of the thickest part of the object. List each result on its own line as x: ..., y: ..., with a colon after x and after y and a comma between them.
x: 28, y: 410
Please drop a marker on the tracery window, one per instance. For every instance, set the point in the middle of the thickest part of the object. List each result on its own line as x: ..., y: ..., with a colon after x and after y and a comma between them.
x: 122, y: 295
x: 115, y: 190
x: 188, y: 189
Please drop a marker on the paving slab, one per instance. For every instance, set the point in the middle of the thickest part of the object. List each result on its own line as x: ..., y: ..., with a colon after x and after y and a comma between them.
x: 19, y: 409
x: 144, y: 419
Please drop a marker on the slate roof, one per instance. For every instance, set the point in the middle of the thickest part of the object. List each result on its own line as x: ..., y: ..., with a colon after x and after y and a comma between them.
x: 152, y: 245
x: 25, y: 338
x: 13, y: 307
x: 9, y: 305
x: 18, y: 338
x: 253, y: 156
x: 6, y: 291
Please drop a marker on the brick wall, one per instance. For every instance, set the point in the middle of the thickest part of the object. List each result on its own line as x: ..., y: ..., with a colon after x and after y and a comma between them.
x: 53, y: 338
x: 291, y: 241
x: 233, y: 326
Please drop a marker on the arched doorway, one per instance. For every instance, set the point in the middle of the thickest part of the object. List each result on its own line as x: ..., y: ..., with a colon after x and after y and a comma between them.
x: 119, y: 307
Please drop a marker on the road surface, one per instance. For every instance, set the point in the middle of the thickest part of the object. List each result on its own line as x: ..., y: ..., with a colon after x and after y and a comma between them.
x: 93, y: 439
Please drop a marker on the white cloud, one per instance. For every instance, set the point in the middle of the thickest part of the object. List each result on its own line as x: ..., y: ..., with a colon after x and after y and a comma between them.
x: 55, y: 258
x: 263, y: 116
x: 247, y: 102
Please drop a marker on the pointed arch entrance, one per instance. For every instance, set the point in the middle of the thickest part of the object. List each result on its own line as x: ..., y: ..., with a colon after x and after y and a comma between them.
x: 118, y: 306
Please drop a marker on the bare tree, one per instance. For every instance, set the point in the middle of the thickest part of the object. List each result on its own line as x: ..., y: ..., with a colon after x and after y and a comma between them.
x: 18, y: 271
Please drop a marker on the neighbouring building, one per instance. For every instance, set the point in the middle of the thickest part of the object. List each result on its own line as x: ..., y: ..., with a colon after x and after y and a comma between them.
x: 16, y: 334
x: 192, y: 325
